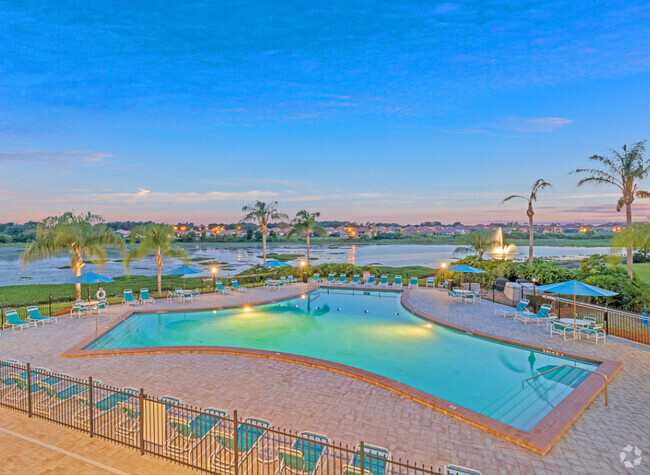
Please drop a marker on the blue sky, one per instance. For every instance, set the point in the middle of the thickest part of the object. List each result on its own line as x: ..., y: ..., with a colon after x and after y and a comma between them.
x: 369, y: 111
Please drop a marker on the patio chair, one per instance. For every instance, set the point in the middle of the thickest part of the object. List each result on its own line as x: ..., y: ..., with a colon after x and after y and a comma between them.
x: 78, y: 308
x: 559, y: 328
x: 414, y: 282
x: 187, y: 434
x: 145, y: 298
x: 305, y: 456
x: 383, y: 281
x: 291, y: 280
x: 593, y: 331
x: 398, y: 281
x: 221, y: 289
x: 538, y: 318
x: 236, y: 287
x: 431, y: 282
x: 14, y: 322
x: 444, y: 285
x: 249, y: 433
x: 370, y: 281
x: 35, y: 316
x: 128, y: 298
x: 505, y: 313
x: 376, y: 461
x: 471, y: 297
x: 355, y: 280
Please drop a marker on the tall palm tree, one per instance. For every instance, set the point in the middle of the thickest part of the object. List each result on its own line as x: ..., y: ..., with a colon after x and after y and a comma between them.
x: 153, y: 239
x: 636, y: 236
x: 262, y: 213
x: 477, y: 242
x: 538, y: 186
x: 83, y: 236
x: 624, y: 171
x: 305, y: 222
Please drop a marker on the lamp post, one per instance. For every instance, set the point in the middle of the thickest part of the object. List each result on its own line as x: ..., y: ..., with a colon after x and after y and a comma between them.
x: 443, y: 266
x: 302, y: 271
x: 533, y: 279
x: 214, y: 278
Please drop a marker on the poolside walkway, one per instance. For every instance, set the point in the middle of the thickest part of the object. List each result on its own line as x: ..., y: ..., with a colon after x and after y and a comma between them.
x: 348, y: 410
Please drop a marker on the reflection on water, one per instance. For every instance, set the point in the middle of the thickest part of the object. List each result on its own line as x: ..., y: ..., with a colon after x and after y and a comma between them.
x: 239, y: 258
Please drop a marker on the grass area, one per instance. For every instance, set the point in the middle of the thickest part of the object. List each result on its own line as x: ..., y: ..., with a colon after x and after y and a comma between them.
x: 271, y: 256
x: 407, y: 271
x: 642, y: 270
x: 584, y: 242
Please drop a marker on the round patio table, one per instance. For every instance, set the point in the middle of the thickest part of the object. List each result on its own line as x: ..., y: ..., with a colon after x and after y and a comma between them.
x: 577, y: 322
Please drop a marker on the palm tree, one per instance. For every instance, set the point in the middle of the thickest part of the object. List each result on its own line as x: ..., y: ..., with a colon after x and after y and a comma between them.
x: 636, y: 236
x: 262, y: 213
x: 477, y: 242
x: 305, y: 222
x: 153, y: 239
x: 624, y: 171
x: 538, y: 186
x: 84, y: 236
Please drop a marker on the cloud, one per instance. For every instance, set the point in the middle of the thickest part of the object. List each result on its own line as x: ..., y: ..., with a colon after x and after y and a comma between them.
x: 143, y: 192
x: 445, y: 8
x: 536, y: 124
x: 71, y: 156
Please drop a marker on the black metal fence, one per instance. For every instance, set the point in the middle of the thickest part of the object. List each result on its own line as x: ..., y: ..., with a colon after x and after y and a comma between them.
x: 210, y: 440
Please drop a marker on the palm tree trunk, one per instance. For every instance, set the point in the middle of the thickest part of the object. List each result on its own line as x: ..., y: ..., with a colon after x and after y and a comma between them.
x: 76, y: 264
x: 628, y: 250
x: 263, y: 229
x: 159, y: 269
x: 308, y: 261
x: 531, y: 232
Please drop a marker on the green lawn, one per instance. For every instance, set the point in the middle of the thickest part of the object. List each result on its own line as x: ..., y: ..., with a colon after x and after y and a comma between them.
x: 642, y: 270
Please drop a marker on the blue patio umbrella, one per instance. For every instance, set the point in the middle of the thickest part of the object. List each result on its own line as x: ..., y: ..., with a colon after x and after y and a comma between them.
x: 465, y: 269
x: 89, y: 278
x: 183, y: 271
x: 275, y: 264
x: 574, y: 287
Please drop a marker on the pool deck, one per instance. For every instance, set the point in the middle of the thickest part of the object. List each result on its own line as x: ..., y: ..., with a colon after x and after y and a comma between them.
x: 349, y: 409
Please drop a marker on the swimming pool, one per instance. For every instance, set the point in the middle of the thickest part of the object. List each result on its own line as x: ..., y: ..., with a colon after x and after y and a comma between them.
x: 372, y: 331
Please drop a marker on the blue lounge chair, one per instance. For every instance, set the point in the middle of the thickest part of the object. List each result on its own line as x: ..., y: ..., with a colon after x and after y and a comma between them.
x: 53, y: 394
x: 237, y: 288
x: 187, y: 434
x: 35, y: 316
x: 383, y: 282
x: 14, y: 322
x: 538, y: 318
x: 248, y: 434
x: 103, y: 405
x: 128, y: 298
x: 355, y: 279
x: 431, y: 282
x: 459, y: 470
x: 371, y: 280
x: 398, y: 281
x: 315, y: 279
x: 342, y: 279
x: 519, y: 309
x: 330, y: 278
x: 376, y: 461
x: 221, y: 289
x: 306, y: 454
x: 291, y: 280
x: 414, y: 282
x: 145, y: 297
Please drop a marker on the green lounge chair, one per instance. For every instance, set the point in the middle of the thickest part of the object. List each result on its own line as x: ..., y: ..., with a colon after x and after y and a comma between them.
x: 414, y: 282
x: 51, y: 397
x: 376, y: 461
x: 249, y: 433
x: 315, y: 279
x: 593, y: 331
x: 128, y: 298
x: 35, y: 316
x: 506, y: 313
x: 237, y: 288
x: 306, y: 454
x: 538, y: 318
x: 459, y: 470
x: 383, y: 282
x: 371, y: 280
x: 221, y: 289
x: 355, y: 279
x: 330, y: 278
x: 398, y: 281
x: 187, y: 434
x: 103, y: 405
x: 14, y: 322
x: 172, y: 404
x: 145, y: 297
x: 128, y: 425
x: 431, y: 282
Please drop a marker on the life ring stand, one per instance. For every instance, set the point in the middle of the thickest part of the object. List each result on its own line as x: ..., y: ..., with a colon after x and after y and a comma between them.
x: 101, y: 294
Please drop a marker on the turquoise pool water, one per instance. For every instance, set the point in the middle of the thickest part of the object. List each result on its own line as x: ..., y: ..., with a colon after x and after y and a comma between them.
x: 371, y: 330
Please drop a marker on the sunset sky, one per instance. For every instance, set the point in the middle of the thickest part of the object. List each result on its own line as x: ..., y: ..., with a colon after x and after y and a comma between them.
x: 371, y: 111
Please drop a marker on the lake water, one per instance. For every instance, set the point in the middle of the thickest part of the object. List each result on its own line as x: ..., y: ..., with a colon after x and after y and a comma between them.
x: 234, y: 258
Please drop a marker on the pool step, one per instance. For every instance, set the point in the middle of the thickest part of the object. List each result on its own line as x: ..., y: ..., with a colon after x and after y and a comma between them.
x: 524, y: 407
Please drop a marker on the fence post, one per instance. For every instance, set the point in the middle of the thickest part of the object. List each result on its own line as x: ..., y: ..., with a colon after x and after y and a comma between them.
x: 91, y: 408
x: 2, y: 317
x: 236, y: 443
x: 494, y: 285
x: 362, y: 453
x: 29, y: 390
x: 142, y: 421
x: 606, y: 318
x: 50, y: 314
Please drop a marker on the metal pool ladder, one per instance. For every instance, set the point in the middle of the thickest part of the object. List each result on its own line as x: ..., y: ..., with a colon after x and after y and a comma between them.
x: 574, y: 367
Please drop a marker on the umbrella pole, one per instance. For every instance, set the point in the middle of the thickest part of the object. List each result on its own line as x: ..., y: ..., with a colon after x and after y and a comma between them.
x: 575, y: 312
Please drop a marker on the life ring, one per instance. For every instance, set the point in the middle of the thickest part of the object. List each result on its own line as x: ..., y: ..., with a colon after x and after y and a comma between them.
x: 101, y: 294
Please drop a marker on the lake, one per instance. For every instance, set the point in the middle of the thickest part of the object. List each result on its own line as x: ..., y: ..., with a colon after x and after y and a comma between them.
x: 234, y: 258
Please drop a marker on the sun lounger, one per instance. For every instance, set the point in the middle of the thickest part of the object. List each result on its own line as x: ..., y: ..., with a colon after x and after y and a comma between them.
x: 431, y: 282
x: 398, y: 281
x: 35, y: 316
x: 145, y: 298
x: 342, y: 279
x: 221, y: 289
x: 414, y: 282
x: 355, y: 280
x: 305, y: 456
x: 506, y: 313
x: 14, y: 322
x: 103, y: 405
x: 57, y: 392
x: 315, y: 279
x: 237, y: 288
x: 187, y: 434
x: 538, y: 318
x: 248, y: 434
x: 459, y: 470
x: 370, y: 281
x: 128, y: 298
x: 376, y: 461
x: 330, y: 278
x: 383, y: 282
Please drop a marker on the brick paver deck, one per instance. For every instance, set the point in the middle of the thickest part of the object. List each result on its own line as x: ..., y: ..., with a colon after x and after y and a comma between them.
x: 347, y: 409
